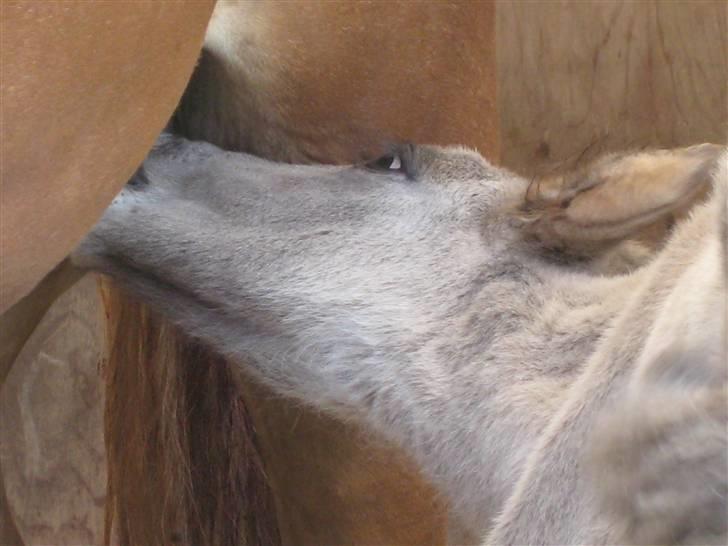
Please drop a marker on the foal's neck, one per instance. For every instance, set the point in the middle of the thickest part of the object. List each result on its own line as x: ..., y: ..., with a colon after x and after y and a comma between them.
x: 548, y: 319
x: 520, y: 346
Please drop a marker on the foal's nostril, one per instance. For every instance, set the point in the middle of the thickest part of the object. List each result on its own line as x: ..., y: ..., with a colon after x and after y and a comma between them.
x: 140, y: 180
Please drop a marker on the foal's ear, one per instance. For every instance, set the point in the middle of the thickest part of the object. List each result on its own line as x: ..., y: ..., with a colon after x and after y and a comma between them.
x: 618, y: 197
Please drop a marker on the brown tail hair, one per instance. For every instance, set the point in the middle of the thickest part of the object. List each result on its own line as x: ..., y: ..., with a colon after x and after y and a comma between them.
x: 183, y: 466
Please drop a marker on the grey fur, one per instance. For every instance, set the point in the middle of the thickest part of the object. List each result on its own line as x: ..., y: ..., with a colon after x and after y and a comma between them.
x: 522, y: 386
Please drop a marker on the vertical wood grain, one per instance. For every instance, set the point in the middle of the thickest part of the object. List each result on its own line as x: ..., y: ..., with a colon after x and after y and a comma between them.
x: 609, y: 74
x: 51, y: 415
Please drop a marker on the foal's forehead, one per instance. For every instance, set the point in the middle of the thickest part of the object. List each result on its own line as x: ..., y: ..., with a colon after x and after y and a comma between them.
x: 455, y: 163
x: 457, y: 159
x: 415, y: 168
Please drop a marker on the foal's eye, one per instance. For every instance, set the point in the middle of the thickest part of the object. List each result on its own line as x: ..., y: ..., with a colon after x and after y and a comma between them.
x: 389, y: 163
x: 399, y: 160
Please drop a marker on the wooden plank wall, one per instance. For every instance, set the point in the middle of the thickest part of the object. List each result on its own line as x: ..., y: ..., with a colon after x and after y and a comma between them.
x: 573, y: 75
x: 51, y: 426
x: 610, y: 75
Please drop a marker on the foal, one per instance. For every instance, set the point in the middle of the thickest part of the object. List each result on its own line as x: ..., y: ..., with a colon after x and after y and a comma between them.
x: 422, y: 295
